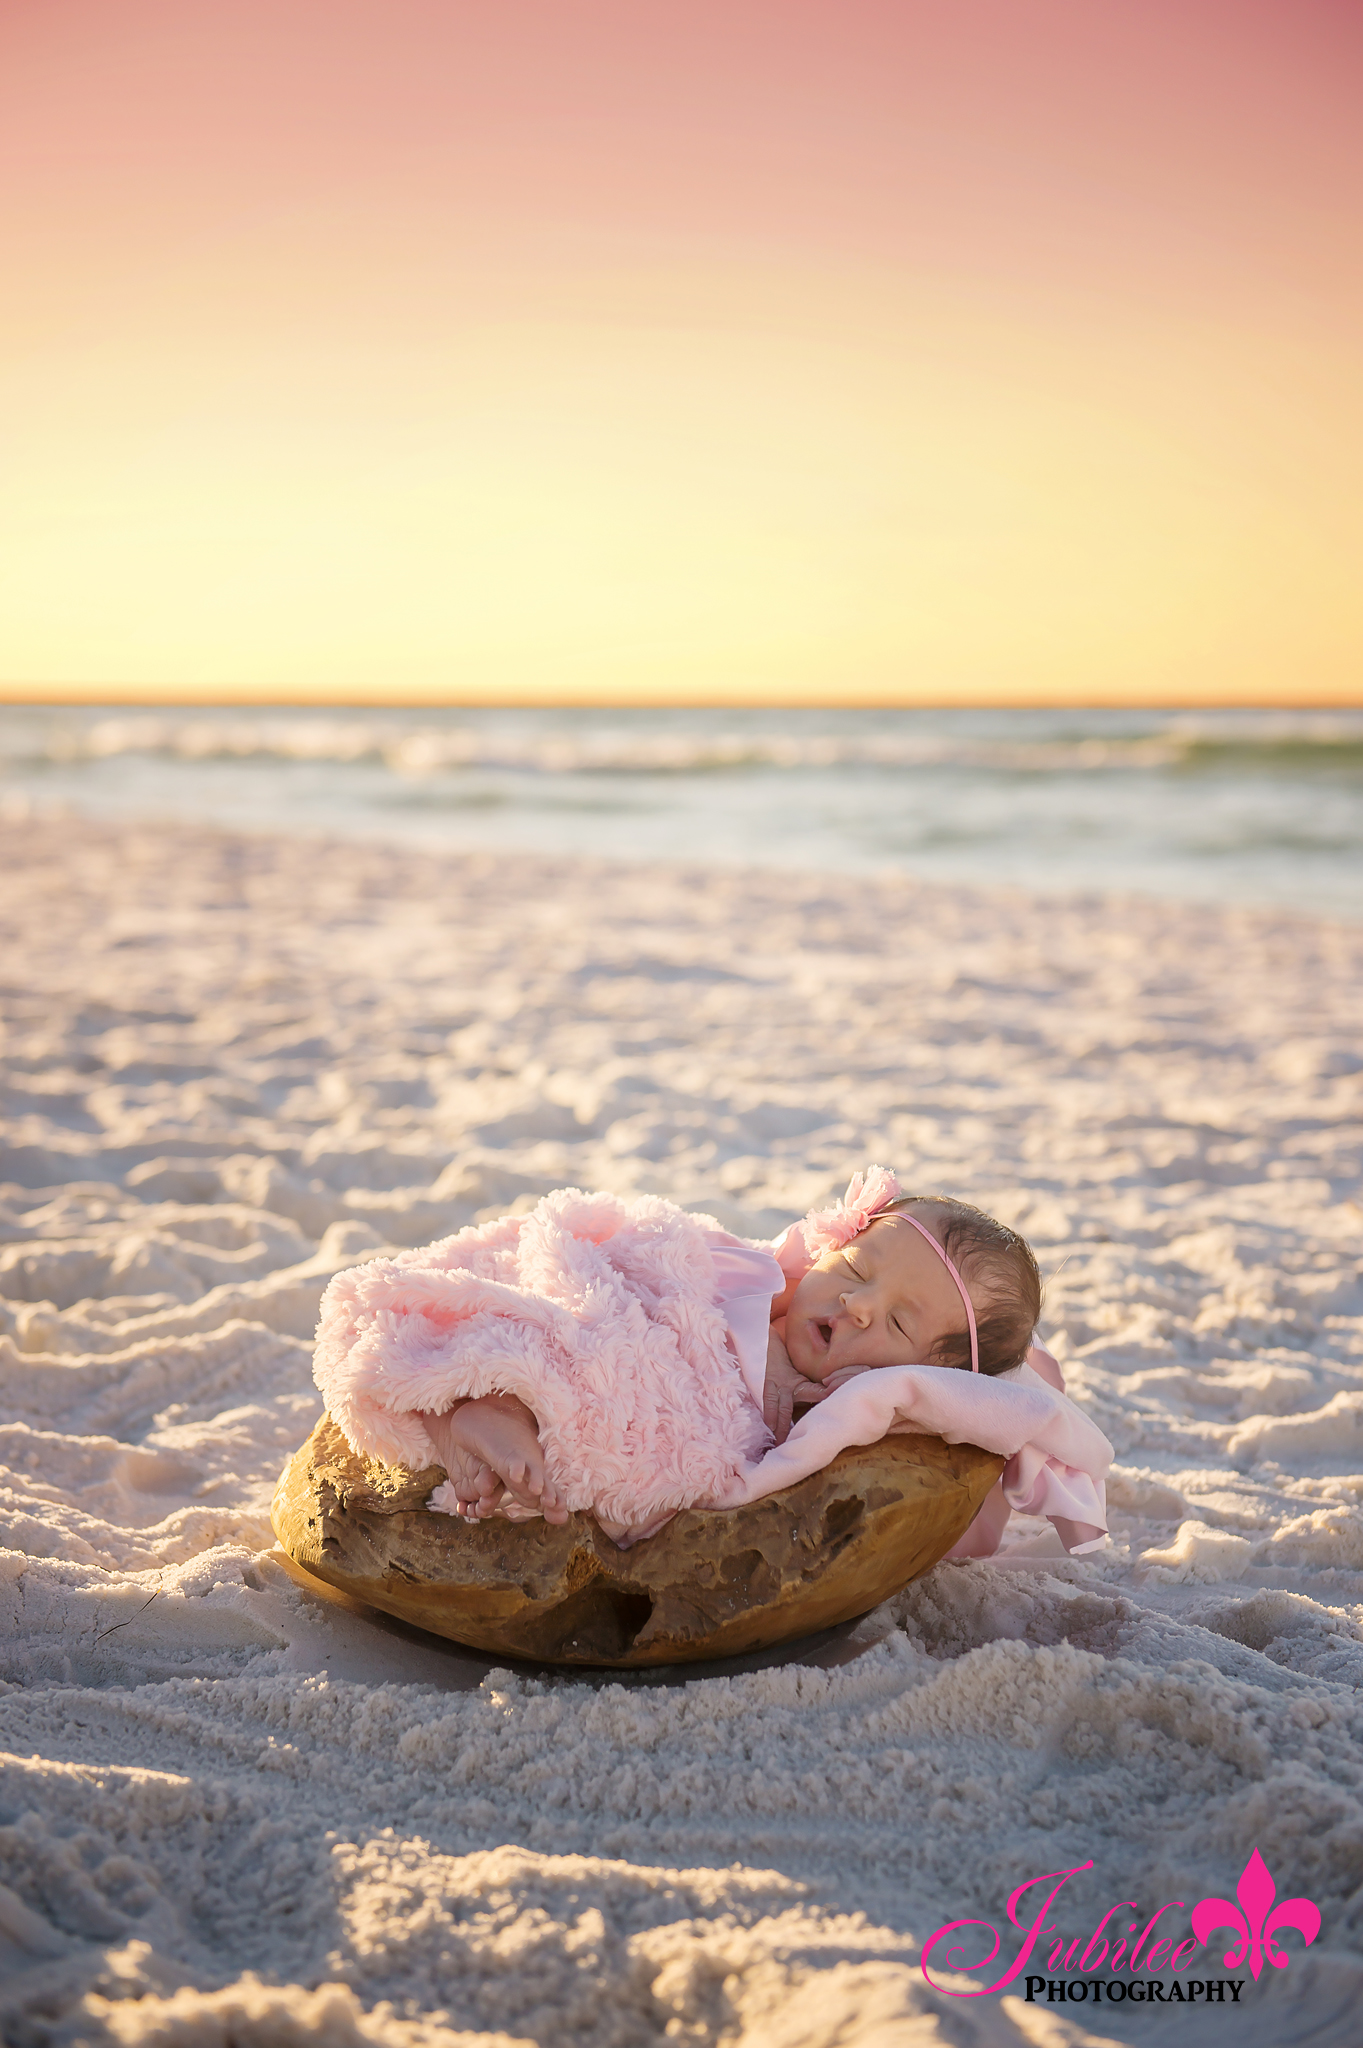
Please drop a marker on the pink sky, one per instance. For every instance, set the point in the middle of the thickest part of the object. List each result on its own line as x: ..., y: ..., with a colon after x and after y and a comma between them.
x: 998, y: 349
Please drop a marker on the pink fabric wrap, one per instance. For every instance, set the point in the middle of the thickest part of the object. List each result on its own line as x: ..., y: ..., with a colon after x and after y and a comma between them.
x: 747, y: 1281
x: 1057, y: 1458
x: 1056, y: 1490
x: 636, y: 1334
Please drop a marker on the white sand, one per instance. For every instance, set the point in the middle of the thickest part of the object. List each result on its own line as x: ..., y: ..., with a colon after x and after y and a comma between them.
x: 232, y: 1066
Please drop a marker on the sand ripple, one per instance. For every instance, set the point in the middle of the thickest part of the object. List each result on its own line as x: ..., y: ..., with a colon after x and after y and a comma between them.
x: 232, y: 1812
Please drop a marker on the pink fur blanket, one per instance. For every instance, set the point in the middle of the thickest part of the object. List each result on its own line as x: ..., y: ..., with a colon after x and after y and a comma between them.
x: 601, y: 1314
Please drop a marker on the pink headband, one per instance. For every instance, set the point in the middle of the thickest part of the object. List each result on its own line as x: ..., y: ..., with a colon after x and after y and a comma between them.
x: 923, y: 1231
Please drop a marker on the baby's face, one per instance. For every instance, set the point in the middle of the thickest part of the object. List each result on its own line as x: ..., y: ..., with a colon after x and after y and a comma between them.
x: 884, y: 1299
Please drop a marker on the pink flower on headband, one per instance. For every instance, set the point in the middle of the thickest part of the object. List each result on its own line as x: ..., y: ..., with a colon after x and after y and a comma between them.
x: 867, y: 1194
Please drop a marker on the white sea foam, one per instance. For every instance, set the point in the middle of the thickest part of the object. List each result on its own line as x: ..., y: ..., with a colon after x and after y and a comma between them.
x: 235, y: 1812
x: 682, y: 743
x: 1248, y: 806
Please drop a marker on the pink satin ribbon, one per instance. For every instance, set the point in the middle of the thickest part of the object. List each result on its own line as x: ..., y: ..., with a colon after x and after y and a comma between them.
x: 923, y: 1231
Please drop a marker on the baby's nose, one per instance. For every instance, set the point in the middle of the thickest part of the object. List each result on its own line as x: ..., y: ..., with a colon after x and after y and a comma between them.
x: 856, y: 1308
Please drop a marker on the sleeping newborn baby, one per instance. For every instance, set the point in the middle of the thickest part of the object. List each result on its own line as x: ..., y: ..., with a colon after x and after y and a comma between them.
x: 893, y: 1295
x: 630, y: 1359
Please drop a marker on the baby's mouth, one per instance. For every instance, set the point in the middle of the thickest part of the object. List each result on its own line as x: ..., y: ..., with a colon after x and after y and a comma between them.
x: 825, y: 1331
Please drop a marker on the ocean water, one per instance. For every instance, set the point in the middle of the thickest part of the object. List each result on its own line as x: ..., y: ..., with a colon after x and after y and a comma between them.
x: 1233, y: 806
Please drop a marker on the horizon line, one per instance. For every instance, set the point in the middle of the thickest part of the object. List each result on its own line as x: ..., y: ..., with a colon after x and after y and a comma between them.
x: 76, y: 697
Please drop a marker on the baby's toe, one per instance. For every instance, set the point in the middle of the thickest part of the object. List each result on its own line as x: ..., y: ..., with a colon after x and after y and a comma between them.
x: 525, y: 1484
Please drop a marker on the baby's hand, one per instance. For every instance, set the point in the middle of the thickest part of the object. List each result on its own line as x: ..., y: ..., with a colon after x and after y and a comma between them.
x: 784, y: 1386
x: 845, y: 1373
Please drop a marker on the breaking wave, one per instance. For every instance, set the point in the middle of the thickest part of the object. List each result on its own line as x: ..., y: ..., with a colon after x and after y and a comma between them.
x: 707, y: 743
x: 1223, y: 806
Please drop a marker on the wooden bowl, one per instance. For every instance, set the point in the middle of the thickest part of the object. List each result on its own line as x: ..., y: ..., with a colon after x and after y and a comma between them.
x: 711, y: 1584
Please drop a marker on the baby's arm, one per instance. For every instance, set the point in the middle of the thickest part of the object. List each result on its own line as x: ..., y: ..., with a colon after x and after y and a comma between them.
x: 784, y: 1387
x: 491, y: 1448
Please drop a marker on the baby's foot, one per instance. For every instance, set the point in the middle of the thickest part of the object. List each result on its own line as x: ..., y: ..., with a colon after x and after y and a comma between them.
x: 494, y: 1451
x: 477, y: 1489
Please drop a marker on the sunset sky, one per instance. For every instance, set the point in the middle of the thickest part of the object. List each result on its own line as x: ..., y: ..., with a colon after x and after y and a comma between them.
x: 757, y: 350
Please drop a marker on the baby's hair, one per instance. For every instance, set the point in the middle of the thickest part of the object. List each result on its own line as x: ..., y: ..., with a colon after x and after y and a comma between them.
x: 998, y: 1267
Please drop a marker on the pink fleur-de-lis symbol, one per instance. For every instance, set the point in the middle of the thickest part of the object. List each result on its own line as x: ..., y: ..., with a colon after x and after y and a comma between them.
x: 1257, y: 1924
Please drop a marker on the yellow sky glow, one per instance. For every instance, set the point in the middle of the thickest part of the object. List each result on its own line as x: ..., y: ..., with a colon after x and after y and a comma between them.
x: 334, y: 454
